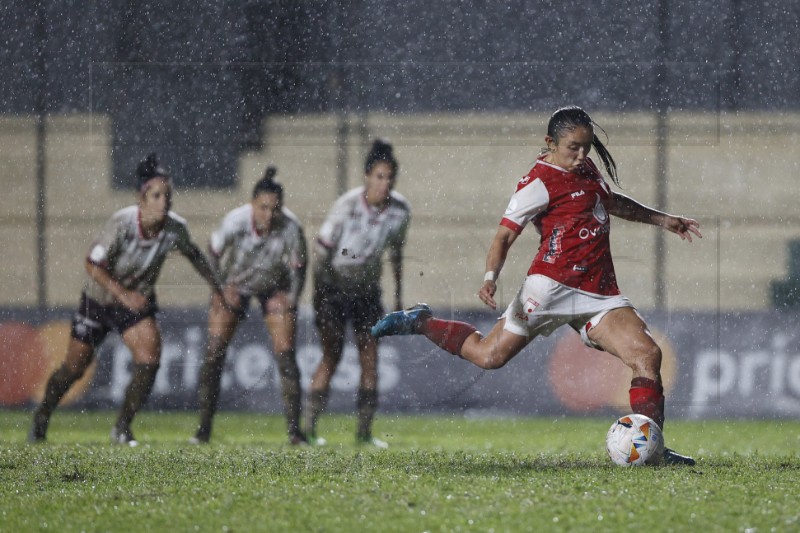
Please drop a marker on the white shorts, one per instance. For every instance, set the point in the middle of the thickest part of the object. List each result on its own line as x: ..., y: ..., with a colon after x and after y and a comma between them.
x: 542, y: 305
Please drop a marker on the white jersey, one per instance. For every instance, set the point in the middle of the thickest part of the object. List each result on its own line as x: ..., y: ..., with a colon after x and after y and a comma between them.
x: 133, y: 260
x: 259, y: 264
x: 358, y: 233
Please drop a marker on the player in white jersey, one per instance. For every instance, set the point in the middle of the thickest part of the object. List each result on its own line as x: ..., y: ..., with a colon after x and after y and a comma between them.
x: 362, y: 224
x: 259, y: 251
x: 123, y: 265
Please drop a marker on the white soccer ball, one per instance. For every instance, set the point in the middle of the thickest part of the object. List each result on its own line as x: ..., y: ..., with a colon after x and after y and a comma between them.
x: 635, y: 440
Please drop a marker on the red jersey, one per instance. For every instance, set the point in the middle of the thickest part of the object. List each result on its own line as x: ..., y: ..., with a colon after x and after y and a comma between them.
x: 570, y: 212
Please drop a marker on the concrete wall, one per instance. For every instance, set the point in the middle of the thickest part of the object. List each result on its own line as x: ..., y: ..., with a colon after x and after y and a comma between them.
x: 735, y: 173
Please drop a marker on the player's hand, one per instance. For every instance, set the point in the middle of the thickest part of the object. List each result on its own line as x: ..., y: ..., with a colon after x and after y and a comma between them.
x: 486, y: 293
x: 133, y: 300
x: 684, y: 227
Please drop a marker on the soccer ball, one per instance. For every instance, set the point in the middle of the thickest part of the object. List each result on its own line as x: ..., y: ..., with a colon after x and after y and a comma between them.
x: 635, y: 440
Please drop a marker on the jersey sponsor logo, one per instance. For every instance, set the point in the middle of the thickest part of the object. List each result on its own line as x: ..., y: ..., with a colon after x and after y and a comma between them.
x: 521, y: 316
x: 578, y: 268
x: 524, y: 180
x: 577, y: 194
x: 586, y: 233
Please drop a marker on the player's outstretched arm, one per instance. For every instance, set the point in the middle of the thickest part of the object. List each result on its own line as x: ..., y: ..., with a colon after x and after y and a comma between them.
x: 495, y: 259
x: 629, y: 209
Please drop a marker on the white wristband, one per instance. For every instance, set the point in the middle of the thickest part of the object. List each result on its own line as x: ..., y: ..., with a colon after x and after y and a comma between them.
x: 489, y: 276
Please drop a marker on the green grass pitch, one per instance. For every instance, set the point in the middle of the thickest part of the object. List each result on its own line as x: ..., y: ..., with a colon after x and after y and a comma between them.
x: 440, y: 474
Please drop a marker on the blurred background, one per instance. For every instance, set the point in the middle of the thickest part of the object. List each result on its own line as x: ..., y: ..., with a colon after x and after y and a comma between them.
x: 699, y: 101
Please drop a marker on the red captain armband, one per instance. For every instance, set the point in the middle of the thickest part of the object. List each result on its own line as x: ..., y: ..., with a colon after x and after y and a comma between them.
x: 510, y: 224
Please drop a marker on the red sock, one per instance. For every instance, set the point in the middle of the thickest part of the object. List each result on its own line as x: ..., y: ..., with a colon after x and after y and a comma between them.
x: 647, y: 398
x: 447, y: 334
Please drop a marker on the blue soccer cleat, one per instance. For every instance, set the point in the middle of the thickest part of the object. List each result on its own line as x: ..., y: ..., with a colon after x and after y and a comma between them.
x: 401, y: 322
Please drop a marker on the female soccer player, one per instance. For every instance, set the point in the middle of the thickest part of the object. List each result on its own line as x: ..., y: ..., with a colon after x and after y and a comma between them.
x: 361, y: 225
x: 123, y: 265
x: 259, y: 251
x: 571, y: 280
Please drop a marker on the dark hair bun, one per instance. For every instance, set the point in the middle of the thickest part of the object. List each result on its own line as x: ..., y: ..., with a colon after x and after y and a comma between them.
x: 149, y: 168
x: 270, y: 173
x: 381, y: 151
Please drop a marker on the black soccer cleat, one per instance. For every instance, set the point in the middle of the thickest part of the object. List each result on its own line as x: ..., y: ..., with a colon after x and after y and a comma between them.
x: 671, y: 457
x: 38, y: 431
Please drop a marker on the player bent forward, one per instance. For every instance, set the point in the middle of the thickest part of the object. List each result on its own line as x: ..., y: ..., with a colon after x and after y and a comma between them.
x: 123, y: 265
x: 259, y: 251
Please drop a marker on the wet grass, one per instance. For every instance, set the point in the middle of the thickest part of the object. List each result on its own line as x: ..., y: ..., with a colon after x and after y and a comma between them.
x: 440, y: 474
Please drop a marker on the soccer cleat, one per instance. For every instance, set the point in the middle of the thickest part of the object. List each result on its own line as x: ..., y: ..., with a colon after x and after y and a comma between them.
x: 38, y: 431
x: 313, y: 440
x: 199, y: 440
x: 365, y: 440
x: 298, y: 439
x: 671, y: 457
x: 123, y: 436
x: 401, y: 322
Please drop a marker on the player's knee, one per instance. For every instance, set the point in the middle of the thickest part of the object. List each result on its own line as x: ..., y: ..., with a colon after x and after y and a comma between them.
x: 492, y: 361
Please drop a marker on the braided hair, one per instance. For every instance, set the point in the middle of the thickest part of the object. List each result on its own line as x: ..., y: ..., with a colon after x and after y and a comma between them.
x: 570, y: 117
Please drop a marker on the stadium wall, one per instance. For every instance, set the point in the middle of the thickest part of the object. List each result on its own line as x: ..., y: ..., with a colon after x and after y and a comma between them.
x: 731, y: 171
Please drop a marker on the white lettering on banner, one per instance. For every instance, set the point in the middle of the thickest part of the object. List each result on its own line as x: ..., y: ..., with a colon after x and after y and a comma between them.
x: 193, y: 358
x: 762, y: 381
x: 171, y: 354
x: 120, y: 375
x: 249, y: 367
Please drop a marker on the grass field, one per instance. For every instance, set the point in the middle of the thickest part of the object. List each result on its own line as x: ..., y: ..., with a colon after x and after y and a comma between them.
x: 440, y: 474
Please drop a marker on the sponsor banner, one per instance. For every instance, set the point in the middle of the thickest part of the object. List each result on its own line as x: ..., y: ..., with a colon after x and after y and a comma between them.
x: 714, y: 365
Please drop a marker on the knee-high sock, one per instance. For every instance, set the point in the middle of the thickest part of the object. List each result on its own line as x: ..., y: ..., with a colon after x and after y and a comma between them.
x: 447, y: 334
x: 318, y: 401
x: 290, y: 389
x: 367, y: 404
x: 138, y: 390
x: 57, y: 386
x: 208, y: 393
x: 647, y: 398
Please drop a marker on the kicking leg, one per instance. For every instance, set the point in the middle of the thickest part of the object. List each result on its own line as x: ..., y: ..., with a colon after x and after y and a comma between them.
x: 623, y: 333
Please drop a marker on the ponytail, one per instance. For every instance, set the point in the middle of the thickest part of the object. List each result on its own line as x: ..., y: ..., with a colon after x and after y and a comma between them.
x: 605, y: 156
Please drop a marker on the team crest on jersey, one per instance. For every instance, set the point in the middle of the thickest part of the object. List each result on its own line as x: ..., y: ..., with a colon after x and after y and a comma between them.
x: 600, y: 213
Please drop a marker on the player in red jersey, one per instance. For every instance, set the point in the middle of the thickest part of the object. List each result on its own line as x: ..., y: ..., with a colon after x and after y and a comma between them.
x: 571, y: 280
x: 122, y: 267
